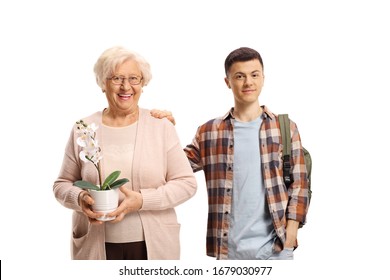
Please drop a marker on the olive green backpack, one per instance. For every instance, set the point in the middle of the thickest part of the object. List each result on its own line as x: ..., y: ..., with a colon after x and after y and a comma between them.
x: 284, y: 122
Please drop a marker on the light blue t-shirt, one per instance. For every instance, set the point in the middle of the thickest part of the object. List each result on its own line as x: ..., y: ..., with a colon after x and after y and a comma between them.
x: 251, y: 231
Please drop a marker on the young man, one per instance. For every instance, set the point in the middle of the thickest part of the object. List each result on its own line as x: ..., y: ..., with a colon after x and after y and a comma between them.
x: 252, y: 214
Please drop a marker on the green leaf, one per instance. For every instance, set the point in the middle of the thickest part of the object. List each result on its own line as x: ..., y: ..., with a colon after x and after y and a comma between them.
x: 119, y: 183
x: 86, y: 185
x: 110, y: 179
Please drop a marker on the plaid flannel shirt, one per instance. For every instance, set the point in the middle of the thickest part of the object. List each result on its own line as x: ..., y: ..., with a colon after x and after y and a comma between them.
x: 212, y: 150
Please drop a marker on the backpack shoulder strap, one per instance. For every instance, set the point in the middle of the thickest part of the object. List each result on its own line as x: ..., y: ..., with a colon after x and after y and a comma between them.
x: 284, y: 123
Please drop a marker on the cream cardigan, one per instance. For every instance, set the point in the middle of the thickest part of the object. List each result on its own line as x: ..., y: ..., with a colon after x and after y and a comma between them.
x: 161, y: 172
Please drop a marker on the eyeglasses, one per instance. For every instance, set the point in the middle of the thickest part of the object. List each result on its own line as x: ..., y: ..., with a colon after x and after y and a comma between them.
x: 120, y: 80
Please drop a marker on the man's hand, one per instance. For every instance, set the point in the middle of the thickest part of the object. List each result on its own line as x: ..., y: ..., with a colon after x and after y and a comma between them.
x: 163, y: 114
x: 291, y: 234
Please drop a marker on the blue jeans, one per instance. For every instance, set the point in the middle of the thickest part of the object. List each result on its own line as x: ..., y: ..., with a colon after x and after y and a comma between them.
x: 285, y: 254
x: 267, y: 252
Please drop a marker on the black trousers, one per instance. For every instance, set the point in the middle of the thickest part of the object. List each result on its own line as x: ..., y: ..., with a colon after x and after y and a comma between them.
x: 126, y: 251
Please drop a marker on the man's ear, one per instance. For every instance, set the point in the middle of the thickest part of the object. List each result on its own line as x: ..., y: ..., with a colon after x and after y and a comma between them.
x: 227, y: 82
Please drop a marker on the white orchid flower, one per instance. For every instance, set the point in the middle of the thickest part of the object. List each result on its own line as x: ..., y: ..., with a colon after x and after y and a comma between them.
x: 81, y: 141
x: 93, y: 127
x: 91, y: 152
x: 83, y: 156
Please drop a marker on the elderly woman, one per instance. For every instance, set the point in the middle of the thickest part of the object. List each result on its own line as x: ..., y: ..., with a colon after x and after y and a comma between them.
x: 147, y: 151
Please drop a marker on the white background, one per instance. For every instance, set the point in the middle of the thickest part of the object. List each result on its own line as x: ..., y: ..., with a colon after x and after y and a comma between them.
x: 326, y: 64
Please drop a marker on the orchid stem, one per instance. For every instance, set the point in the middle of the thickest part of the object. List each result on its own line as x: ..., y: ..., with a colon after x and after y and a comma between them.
x: 100, y: 175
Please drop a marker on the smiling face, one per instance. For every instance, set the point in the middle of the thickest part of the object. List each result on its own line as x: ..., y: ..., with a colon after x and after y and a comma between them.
x: 246, y: 80
x: 123, y: 98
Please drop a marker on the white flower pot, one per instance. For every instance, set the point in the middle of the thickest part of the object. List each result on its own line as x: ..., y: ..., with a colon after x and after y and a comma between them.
x: 105, y: 202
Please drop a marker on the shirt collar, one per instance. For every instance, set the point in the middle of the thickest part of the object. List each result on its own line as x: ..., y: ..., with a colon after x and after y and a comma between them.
x: 266, y: 113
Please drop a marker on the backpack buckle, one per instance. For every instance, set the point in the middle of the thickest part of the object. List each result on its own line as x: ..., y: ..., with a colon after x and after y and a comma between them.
x: 286, y: 170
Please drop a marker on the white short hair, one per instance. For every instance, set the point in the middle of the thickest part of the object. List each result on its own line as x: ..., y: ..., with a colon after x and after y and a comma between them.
x: 111, y: 58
